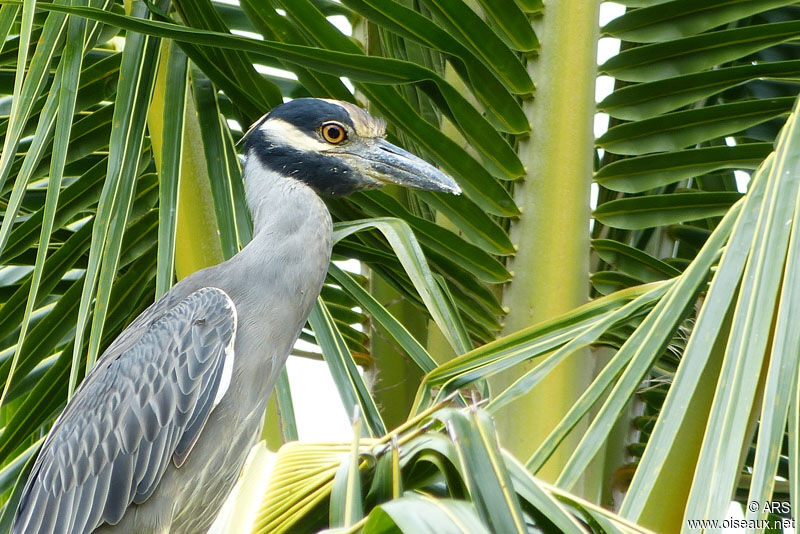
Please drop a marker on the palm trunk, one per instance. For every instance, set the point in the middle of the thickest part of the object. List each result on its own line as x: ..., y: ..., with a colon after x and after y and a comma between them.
x: 551, y: 266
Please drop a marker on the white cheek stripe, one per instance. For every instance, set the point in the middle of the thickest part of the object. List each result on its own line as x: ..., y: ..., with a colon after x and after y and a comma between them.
x: 288, y: 134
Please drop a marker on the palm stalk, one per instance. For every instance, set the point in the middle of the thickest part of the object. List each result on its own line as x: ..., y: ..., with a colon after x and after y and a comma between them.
x: 553, y: 199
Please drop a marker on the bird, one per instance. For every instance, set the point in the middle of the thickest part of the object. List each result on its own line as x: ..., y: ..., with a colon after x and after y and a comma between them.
x: 156, y: 435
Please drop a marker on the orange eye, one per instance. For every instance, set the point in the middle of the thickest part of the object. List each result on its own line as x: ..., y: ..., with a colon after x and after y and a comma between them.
x: 333, y: 132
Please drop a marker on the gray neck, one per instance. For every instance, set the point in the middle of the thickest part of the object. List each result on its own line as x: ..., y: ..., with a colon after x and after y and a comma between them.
x: 288, y: 257
x: 274, y: 281
x: 278, y: 203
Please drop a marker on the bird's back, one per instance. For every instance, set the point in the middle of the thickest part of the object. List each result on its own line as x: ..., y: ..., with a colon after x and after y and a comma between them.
x: 140, y: 409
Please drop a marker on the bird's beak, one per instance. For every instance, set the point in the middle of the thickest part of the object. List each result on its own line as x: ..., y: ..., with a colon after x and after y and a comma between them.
x: 387, y: 163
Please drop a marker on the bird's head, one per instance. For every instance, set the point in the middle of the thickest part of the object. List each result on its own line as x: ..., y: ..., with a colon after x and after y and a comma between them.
x: 336, y: 148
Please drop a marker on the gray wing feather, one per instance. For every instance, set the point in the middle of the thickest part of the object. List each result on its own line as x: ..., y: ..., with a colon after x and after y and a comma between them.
x: 143, y: 405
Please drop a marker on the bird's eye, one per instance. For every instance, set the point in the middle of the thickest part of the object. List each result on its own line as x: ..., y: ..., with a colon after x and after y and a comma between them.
x: 333, y: 132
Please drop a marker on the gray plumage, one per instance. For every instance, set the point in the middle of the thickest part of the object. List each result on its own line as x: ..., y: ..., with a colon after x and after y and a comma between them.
x: 142, y: 407
x: 156, y: 436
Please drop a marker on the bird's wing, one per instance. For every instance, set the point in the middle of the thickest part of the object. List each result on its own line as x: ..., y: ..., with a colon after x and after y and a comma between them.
x: 138, y: 409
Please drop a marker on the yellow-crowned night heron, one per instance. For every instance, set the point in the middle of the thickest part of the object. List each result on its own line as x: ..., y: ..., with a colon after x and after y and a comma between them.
x: 157, y: 433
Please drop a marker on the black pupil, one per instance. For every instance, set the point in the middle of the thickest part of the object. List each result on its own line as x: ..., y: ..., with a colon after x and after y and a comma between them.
x: 334, y: 133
